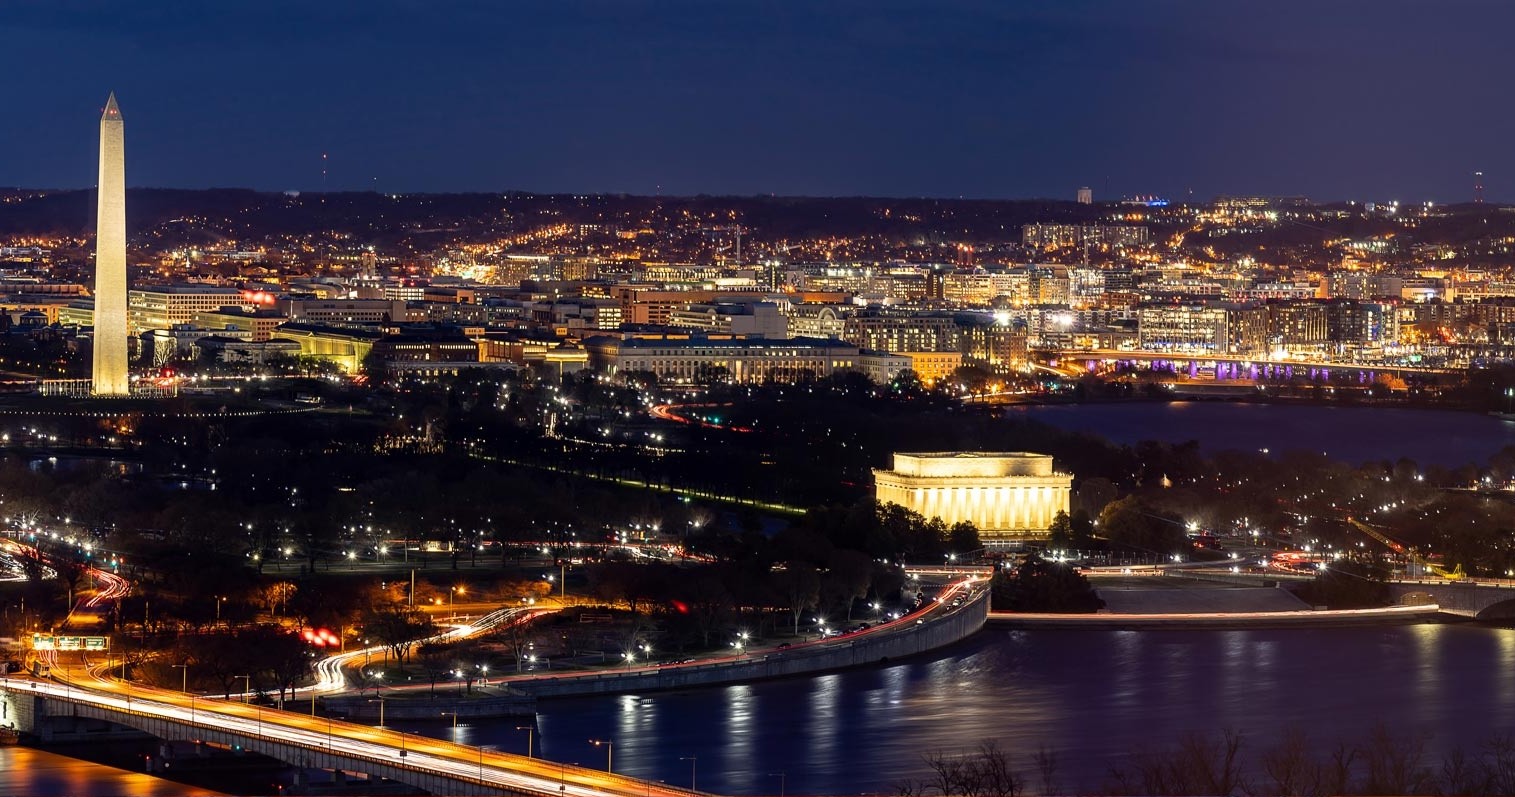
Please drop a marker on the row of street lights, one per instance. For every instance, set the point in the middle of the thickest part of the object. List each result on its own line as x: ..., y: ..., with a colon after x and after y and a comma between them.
x: 530, y: 730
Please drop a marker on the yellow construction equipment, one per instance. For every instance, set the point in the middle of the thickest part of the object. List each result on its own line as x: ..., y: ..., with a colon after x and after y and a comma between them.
x: 1455, y: 574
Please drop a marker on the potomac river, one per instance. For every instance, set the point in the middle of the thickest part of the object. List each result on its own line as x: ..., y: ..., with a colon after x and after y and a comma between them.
x: 1353, y: 434
x: 1093, y: 696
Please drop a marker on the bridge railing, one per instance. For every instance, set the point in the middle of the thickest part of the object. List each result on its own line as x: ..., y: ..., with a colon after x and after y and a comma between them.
x: 109, y: 705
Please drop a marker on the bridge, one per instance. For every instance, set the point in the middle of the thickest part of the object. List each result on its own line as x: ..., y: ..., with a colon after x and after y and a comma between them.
x: 1236, y: 366
x: 37, y: 705
x: 1480, y: 600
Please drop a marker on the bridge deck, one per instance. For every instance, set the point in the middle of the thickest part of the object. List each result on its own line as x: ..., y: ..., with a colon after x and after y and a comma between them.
x: 360, y: 748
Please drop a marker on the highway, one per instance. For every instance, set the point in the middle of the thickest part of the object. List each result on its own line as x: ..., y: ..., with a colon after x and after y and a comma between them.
x: 421, y: 754
x: 89, y: 683
x: 330, y: 678
x: 329, y: 671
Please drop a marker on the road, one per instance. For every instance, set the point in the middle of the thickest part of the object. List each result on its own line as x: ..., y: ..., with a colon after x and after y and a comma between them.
x: 330, y: 677
x: 86, y: 684
x: 329, y: 671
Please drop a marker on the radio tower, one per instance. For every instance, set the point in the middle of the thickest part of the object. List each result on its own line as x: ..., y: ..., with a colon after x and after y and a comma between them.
x: 1478, y: 188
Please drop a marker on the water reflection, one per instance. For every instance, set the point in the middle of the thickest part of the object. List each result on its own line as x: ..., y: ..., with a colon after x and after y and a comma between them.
x: 1091, y: 695
x: 44, y: 774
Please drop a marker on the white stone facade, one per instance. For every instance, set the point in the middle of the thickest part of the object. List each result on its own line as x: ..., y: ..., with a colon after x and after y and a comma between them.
x: 1008, y: 495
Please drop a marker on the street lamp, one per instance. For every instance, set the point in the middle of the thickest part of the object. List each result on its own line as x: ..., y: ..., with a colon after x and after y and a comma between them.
x: 454, y: 718
x: 219, y: 600
x: 782, y: 777
x: 184, y: 687
x: 246, y: 686
x: 692, y: 761
x: 530, y: 732
x: 609, y: 750
x: 482, y: 748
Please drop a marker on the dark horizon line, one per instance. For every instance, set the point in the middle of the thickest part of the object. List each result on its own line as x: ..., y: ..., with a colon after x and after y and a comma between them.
x: 630, y: 195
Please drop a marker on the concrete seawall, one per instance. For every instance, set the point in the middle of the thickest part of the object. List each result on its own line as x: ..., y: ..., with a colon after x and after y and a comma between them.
x: 1392, y: 614
x: 412, y: 706
x: 938, y: 629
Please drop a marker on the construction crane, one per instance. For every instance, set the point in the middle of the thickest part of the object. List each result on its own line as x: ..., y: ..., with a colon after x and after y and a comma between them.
x: 732, y: 228
x: 1455, y: 574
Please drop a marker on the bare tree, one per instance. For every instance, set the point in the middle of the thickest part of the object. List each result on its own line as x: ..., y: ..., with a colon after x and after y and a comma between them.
x: 1199, y: 765
x: 985, y: 772
x: 1395, y: 763
x: 1045, y: 760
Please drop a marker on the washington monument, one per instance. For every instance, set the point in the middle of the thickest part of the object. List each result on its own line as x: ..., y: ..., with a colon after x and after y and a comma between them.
x: 110, y: 378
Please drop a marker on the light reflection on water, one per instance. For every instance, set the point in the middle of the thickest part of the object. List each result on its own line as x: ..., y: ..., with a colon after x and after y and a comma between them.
x: 1093, y: 696
x: 45, y: 774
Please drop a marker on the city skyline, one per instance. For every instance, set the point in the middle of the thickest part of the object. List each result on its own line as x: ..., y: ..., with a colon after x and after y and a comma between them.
x: 684, y: 398
x: 967, y: 99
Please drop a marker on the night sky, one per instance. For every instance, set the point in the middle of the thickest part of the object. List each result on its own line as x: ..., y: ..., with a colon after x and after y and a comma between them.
x: 1335, y: 99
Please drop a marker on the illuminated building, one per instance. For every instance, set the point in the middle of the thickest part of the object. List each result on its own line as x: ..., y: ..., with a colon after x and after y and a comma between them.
x: 405, y: 291
x: 936, y: 289
x: 347, y: 347
x: 817, y: 320
x: 109, y: 317
x: 739, y: 359
x: 1007, y: 495
x: 974, y: 289
x: 441, y: 344
x: 260, y: 323
x: 932, y: 366
x: 1298, y: 324
x: 78, y: 313
x: 1048, y: 285
x: 1214, y: 328
x: 577, y: 316
x: 732, y: 318
x: 343, y: 311
x: 993, y: 342
x: 643, y: 305
x: 1362, y: 323
x: 1085, y: 196
x: 1085, y: 285
x: 901, y: 331
x: 162, y: 346
x: 1058, y: 236
x: 162, y: 306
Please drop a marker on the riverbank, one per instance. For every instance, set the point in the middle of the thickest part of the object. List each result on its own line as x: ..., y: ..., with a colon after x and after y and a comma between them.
x: 1209, y: 393
x: 1219, y: 620
x: 940, y: 627
x: 481, y: 702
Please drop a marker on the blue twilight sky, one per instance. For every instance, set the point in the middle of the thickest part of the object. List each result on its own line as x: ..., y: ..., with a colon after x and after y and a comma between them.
x: 1364, y: 99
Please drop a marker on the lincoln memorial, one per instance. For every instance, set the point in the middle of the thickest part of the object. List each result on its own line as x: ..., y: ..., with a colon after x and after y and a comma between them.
x: 1008, y: 495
